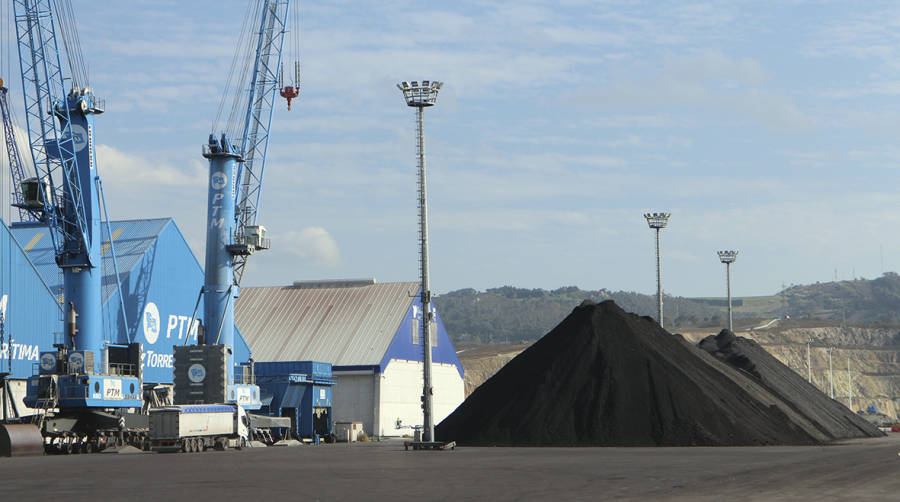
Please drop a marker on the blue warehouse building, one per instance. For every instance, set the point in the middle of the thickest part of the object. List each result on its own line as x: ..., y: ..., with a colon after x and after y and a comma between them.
x: 160, y: 282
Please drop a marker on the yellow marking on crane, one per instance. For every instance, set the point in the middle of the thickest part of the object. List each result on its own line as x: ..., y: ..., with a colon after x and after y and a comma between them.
x: 34, y: 240
x: 105, y: 247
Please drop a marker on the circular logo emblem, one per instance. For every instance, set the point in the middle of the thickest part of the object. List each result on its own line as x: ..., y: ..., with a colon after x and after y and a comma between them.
x: 196, y: 373
x: 218, y: 181
x: 151, y: 322
x: 76, y: 362
x: 48, y: 362
x: 79, y: 137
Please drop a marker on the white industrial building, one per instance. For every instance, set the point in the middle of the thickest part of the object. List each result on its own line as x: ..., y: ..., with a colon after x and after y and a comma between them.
x: 370, y: 333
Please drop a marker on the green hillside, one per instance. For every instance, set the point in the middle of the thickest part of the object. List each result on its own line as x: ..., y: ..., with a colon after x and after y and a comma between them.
x: 516, y: 315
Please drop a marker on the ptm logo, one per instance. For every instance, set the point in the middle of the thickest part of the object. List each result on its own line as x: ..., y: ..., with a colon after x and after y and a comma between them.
x: 151, y: 322
x: 79, y: 137
x: 48, y: 362
x: 76, y: 362
x: 218, y: 181
x: 197, y: 373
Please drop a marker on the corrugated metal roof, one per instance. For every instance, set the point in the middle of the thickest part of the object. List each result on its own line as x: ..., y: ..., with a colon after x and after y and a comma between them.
x: 346, y: 326
x: 132, y: 239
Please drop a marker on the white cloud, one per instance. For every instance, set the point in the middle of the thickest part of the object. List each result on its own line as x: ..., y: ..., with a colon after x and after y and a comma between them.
x: 313, y: 245
x: 129, y: 171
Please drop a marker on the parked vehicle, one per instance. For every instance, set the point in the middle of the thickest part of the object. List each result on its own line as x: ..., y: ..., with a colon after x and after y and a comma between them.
x: 197, y: 427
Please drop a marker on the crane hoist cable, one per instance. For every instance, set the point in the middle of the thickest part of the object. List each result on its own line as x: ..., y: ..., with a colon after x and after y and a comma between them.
x: 72, y: 43
x: 236, y: 78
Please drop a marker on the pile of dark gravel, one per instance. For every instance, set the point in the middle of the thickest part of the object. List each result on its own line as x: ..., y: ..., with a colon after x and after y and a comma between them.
x: 832, y: 418
x: 607, y: 377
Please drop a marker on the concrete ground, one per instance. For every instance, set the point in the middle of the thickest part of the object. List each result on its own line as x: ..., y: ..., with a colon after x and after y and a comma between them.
x: 854, y: 470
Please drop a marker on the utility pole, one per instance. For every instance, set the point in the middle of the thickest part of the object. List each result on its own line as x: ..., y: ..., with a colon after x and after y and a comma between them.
x: 658, y: 221
x: 728, y: 257
x: 420, y: 96
x: 808, y: 362
x: 831, y: 371
x: 849, y: 384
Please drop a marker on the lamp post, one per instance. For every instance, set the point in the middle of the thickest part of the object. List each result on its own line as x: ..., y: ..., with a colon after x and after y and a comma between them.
x: 421, y: 96
x: 658, y: 221
x: 728, y: 257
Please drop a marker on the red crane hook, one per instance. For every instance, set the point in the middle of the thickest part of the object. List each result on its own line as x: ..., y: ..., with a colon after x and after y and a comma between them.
x: 289, y: 92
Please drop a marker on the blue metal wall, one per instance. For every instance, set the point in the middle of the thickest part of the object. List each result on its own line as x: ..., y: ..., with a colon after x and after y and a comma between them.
x: 31, y: 308
x: 160, y: 278
x: 160, y: 292
x: 401, y: 346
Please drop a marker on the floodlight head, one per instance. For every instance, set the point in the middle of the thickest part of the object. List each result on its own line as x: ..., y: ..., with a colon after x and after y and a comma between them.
x: 420, y: 96
x: 657, y: 220
x: 728, y: 256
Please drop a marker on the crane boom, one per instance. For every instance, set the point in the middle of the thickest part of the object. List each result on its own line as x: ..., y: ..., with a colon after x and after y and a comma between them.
x: 254, y: 141
x: 50, y: 131
x: 16, y: 168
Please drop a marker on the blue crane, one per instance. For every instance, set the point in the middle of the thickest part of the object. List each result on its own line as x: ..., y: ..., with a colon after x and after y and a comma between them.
x: 60, y: 127
x: 17, y: 170
x: 87, y: 377
x: 232, y: 233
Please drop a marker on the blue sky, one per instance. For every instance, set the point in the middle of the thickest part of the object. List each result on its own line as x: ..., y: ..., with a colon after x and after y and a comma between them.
x: 768, y: 127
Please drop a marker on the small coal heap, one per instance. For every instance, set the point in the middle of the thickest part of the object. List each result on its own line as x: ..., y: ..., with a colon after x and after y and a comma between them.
x: 830, y: 417
x: 607, y: 377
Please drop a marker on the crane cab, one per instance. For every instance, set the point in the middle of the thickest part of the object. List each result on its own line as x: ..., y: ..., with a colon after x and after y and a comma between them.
x: 253, y: 238
x: 35, y: 193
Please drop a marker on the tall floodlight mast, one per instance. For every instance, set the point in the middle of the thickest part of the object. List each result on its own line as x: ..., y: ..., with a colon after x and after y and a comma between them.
x: 728, y: 257
x: 420, y: 96
x: 658, y: 221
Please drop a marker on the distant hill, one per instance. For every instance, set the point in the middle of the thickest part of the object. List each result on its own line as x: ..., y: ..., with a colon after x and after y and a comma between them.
x: 860, y: 301
x: 517, y: 315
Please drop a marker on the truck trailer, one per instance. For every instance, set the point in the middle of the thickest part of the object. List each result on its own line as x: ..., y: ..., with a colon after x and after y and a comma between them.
x: 197, y: 427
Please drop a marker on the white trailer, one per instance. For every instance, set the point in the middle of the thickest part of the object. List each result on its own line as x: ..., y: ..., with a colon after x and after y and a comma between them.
x: 196, y: 427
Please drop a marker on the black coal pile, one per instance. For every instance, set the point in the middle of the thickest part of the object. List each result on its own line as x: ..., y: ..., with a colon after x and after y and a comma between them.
x: 607, y: 377
x: 830, y: 417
